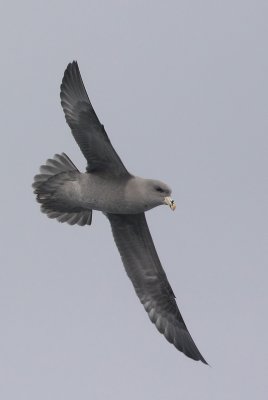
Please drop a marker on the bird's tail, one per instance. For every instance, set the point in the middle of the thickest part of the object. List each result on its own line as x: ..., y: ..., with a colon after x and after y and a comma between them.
x: 50, y: 189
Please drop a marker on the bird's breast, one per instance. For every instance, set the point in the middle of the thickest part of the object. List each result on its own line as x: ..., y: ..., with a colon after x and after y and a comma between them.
x: 109, y: 195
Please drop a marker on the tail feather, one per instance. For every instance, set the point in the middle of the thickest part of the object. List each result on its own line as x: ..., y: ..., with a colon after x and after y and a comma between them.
x: 49, y: 187
x: 60, y: 163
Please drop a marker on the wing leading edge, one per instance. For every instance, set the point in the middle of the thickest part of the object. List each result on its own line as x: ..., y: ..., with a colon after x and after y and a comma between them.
x: 86, y: 128
x: 140, y: 259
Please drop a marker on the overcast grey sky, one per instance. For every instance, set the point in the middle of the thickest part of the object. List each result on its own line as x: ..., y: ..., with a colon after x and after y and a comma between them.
x: 181, y: 87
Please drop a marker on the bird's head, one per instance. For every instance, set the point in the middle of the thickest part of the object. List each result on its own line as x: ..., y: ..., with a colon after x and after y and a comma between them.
x: 160, y: 192
x: 152, y: 193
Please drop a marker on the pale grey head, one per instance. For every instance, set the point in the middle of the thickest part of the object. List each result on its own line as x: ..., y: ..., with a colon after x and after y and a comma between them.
x: 148, y: 193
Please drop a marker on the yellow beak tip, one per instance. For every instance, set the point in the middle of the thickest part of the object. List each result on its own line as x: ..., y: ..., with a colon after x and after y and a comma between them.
x: 171, y: 203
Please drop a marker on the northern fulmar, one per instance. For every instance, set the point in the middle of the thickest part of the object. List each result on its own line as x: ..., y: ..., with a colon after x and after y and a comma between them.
x: 69, y: 196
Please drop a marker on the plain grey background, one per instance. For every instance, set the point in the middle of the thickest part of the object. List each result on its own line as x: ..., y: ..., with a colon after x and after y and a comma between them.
x: 181, y: 87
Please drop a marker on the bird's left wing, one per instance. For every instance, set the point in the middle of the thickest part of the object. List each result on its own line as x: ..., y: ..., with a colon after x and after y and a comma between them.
x: 135, y: 245
x: 86, y: 128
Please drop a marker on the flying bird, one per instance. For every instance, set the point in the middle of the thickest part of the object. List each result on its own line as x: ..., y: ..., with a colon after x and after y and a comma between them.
x: 69, y: 196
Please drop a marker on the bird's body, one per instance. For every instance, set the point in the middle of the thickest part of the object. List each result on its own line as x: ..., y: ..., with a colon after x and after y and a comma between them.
x: 93, y: 191
x: 70, y: 196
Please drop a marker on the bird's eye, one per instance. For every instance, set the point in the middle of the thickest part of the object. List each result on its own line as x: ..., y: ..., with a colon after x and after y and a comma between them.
x: 159, y: 189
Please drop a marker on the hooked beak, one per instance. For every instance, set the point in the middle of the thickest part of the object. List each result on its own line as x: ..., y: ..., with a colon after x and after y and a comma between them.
x: 171, y: 203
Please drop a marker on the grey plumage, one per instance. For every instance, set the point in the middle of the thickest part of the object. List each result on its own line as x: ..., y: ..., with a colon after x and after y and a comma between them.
x: 86, y: 128
x: 135, y: 245
x: 51, y: 191
x: 70, y: 196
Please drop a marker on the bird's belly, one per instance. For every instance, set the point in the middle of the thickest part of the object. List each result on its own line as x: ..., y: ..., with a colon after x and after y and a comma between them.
x: 113, y: 205
x: 106, y: 196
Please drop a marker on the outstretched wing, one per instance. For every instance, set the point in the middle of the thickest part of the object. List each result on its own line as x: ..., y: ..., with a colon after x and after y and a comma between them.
x: 86, y: 128
x: 135, y: 245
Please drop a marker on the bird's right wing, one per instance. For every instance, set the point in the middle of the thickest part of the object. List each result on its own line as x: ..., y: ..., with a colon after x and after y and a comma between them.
x: 135, y: 245
x: 86, y: 128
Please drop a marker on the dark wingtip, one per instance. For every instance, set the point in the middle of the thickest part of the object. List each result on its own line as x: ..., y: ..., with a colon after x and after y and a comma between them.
x: 71, y: 68
x: 204, y: 361
x: 72, y: 89
x: 72, y: 65
x: 196, y: 355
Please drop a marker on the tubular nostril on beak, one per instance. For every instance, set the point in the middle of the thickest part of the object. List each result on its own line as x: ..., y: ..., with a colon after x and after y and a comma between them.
x: 170, y: 202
